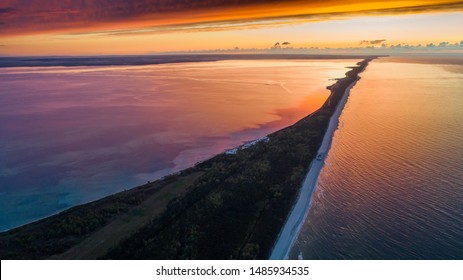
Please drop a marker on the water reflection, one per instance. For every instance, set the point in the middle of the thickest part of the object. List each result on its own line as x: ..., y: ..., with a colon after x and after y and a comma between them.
x: 74, y: 134
x: 392, y: 186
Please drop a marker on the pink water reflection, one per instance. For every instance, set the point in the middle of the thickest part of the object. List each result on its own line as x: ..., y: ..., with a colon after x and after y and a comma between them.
x: 74, y: 134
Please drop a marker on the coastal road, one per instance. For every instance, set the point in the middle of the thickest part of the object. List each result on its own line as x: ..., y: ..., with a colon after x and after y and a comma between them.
x: 293, y: 225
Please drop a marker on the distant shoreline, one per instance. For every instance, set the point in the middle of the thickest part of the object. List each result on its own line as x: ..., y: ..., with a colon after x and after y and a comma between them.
x: 139, y: 60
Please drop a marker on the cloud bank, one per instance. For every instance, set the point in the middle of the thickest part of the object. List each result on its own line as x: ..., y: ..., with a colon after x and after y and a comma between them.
x: 114, y: 17
x: 372, y: 42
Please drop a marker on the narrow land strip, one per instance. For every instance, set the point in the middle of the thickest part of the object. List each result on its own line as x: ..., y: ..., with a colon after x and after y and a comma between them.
x: 293, y: 225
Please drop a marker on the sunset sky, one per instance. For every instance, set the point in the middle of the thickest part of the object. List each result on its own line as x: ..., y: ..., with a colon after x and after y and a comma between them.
x: 88, y: 27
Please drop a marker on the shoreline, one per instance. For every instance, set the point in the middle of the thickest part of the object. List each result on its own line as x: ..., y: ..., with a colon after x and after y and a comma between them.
x: 194, y: 58
x: 293, y: 224
x: 251, y: 190
x: 142, y: 60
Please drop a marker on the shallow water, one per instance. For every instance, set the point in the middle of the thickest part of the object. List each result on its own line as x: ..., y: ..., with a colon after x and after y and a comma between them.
x: 392, y: 185
x: 69, y: 135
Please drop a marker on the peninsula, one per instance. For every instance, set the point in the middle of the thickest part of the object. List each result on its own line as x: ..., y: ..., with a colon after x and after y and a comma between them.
x: 232, y: 206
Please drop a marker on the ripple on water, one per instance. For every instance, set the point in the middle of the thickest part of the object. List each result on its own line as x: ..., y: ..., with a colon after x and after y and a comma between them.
x: 392, y: 186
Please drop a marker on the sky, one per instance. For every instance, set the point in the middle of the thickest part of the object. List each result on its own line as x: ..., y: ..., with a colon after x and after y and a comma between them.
x: 91, y: 27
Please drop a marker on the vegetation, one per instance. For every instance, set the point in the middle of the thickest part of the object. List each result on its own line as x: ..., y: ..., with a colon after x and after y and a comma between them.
x: 235, y: 210
x: 58, y: 233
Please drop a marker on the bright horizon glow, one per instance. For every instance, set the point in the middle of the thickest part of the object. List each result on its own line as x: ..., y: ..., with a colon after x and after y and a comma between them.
x: 334, y: 24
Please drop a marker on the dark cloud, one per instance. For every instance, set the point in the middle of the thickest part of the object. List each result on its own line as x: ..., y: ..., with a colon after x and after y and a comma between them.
x: 6, y: 10
x: 114, y: 17
x: 443, y: 44
x: 372, y: 42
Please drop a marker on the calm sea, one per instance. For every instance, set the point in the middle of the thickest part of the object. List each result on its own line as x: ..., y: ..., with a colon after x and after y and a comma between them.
x: 69, y: 135
x: 392, y: 185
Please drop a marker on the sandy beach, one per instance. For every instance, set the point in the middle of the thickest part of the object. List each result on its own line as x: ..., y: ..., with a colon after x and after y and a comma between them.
x: 294, y: 222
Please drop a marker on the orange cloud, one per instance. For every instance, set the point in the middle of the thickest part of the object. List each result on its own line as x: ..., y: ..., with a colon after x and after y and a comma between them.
x: 20, y: 17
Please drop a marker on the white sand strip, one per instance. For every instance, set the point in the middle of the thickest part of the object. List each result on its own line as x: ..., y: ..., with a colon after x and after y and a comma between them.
x: 295, y: 220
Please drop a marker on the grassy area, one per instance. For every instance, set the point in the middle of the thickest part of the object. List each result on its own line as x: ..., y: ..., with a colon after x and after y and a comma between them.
x: 56, y: 235
x: 98, y: 243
